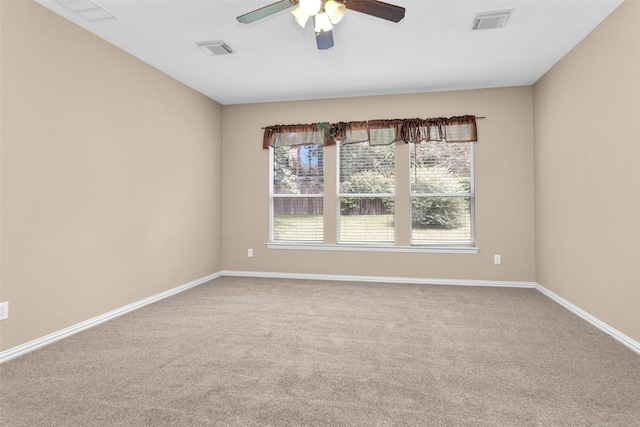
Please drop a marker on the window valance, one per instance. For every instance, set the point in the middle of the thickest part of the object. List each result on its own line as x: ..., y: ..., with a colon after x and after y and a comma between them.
x: 294, y: 135
x: 376, y: 132
x: 453, y: 129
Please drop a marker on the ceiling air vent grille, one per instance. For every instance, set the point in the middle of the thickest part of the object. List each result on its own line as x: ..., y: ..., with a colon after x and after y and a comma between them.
x: 89, y: 10
x: 218, y: 47
x: 486, y: 21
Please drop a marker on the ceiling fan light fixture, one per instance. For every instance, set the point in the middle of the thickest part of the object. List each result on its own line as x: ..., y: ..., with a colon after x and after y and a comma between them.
x: 310, y: 7
x: 326, y: 13
x: 335, y: 10
x: 299, y: 16
x: 322, y: 23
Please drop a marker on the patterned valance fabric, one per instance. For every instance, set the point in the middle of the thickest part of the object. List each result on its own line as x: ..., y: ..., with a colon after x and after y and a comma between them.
x: 376, y: 132
x: 294, y: 135
x: 453, y: 129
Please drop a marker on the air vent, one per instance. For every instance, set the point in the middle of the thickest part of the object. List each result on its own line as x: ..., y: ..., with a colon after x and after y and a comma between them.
x: 89, y: 10
x: 486, y: 21
x: 218, y: 47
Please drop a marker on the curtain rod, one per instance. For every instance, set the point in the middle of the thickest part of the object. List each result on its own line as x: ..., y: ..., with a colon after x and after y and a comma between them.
x: 477, y: 117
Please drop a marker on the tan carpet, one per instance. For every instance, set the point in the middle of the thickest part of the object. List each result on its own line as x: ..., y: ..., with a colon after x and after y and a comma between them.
x: 272, y: 352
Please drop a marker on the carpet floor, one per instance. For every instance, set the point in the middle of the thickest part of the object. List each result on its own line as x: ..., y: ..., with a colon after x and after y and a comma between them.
x: 243, y: 351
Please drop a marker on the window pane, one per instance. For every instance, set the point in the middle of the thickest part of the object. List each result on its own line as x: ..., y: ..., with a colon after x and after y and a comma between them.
x: 367, y: 170
x: 367, y: 219
x: 441, y: 220
x: 441, y: 167
x: 298, y: 185
x: 298, y: 219
x: 298, y: 170
x: 442, y: 193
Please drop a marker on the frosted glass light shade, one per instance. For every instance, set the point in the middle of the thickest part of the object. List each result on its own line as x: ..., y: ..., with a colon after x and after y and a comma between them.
x: 300, y: 17
x: 322, y: 23
x: 335, y: 10
x: 310, y: 7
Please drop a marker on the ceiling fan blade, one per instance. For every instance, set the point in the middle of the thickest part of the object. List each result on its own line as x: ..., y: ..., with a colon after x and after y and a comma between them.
x: 263, y: 12
x: 376, y: 8
x: 324, y: 40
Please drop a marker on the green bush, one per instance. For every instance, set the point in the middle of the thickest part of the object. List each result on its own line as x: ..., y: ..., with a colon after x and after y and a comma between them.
x: 436, y: 212
x: 367, y: 182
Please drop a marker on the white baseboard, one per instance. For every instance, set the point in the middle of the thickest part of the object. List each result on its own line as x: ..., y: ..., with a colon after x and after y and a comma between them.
x: 377, y: 279
x: 48, y: 339
x: 614, y: 333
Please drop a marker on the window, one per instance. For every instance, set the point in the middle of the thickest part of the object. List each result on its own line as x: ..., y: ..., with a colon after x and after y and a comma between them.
x: 366, y: 194
x: 442, y: 199
x: 297, y: 193
x: 395, y: 185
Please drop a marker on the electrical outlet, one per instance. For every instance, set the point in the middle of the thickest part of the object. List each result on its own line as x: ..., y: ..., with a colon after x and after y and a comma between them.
x: 250, y: 253
x: 497, y: 259
x: 4, y: 310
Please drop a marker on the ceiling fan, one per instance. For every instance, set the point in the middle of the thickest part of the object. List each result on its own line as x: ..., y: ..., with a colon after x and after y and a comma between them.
x: 325, y: 13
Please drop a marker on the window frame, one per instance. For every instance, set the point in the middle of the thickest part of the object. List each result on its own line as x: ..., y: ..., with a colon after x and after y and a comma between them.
x: 340, y: 195
x: 472, y: 212
x: 272, y: 195
x: 434, y: 248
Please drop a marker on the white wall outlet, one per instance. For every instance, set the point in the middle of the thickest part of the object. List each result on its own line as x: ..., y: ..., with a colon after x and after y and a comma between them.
x: 4, y: 310
x: 497, y: 259
x: 250, y: 253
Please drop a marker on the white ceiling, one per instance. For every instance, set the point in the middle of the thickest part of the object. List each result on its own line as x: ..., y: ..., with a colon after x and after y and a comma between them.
x: 432, y: 49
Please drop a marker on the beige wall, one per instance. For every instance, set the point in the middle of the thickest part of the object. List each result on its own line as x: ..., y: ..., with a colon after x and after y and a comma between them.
x: 504, y: 186
x: 587, y: 170
x: 110, y: 177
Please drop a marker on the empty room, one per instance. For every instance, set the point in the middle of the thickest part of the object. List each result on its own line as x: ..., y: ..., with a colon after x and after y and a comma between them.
x: 319, y: 213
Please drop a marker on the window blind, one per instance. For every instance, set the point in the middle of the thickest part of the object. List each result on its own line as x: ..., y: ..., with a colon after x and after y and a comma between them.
x: 442, y: 193
x: 297, y: 193
x: 366, y: 193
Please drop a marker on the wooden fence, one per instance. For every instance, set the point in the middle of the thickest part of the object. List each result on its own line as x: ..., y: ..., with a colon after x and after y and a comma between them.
x: 297, y: 205
x: 314, y: 206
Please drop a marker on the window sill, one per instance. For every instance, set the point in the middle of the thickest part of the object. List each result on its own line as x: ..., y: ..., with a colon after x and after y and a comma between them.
x: 375, y: 248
